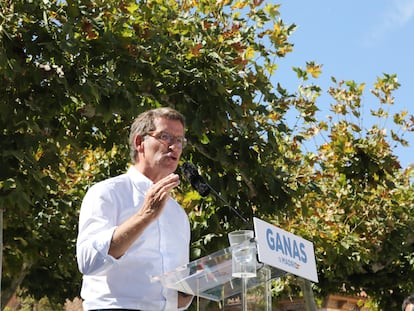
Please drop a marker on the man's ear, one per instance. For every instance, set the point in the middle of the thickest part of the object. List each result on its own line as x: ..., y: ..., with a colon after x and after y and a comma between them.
x: 138, y: 141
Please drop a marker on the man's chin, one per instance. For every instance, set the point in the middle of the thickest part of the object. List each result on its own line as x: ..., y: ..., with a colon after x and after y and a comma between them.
x: 171, y: 163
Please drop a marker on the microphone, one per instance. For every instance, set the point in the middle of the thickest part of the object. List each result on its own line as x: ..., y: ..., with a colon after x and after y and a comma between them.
x: 197, y: 182
x: 204, y: 189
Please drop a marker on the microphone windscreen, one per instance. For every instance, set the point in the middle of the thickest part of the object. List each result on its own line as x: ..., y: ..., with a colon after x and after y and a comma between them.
x: 197, y: 182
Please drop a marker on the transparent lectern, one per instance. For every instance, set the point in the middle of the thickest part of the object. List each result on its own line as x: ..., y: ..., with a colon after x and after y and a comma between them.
x: 210, y: 277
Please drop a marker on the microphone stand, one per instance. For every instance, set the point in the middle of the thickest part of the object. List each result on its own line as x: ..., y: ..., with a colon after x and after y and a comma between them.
x: 197, y: 182
x: 233, y: 209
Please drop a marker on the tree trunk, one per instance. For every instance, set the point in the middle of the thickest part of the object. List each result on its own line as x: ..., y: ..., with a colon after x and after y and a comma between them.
x: 7, y: 293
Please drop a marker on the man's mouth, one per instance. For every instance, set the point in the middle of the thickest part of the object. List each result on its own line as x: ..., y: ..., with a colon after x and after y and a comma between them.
x: 172, y: 156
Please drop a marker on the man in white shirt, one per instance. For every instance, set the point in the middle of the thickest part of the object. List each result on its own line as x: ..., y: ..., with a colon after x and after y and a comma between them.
x: 130, y: 229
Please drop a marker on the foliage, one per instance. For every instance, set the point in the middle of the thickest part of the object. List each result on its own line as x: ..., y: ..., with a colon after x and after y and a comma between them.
x: 74, y: 75
x: 359, y: 215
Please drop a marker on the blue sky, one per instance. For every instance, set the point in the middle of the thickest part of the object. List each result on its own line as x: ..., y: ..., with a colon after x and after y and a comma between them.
x: 354, y: 40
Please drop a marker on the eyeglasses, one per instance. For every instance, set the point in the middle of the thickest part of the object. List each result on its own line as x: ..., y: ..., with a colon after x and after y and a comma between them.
x: 169, y: 139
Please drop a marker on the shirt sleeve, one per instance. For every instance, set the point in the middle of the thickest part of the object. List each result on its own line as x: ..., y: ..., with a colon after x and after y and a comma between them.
x: 97, y: 223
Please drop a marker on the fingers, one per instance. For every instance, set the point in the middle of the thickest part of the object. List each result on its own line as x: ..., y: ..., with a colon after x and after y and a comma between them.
x: 158, y: 195
x: 163, y: 188
x: 167, y: 183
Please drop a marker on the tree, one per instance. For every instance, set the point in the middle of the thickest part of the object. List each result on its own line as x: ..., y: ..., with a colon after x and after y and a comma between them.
x: 359, y: 215
x: 76, y: 72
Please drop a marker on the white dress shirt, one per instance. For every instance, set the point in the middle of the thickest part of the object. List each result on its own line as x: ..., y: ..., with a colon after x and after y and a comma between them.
x: 162, y: 247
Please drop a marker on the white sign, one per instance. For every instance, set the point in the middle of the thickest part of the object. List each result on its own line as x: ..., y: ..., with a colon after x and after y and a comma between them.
x: 284, y: 250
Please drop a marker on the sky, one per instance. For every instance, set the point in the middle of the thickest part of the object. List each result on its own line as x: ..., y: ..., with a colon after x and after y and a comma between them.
x: 354, y: 40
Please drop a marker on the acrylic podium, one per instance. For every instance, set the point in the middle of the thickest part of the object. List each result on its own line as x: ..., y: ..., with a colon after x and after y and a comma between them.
x: 210, y: 277
x: 278, y: 253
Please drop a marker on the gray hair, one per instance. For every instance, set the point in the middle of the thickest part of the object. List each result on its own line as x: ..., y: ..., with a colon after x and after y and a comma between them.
x: 144, y: 123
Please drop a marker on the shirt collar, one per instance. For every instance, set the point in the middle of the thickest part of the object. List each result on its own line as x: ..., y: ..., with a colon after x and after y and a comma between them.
x: 138, y: 179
